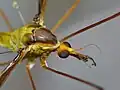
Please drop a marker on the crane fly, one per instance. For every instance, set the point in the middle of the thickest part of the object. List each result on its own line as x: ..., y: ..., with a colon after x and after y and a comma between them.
x: 35, y: 40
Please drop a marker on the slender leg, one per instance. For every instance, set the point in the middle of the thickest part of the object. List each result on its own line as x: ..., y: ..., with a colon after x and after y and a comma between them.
x: 91, y: 26
x: 6, y: 20
x: 7, y: 71
x: 65, y: 16
x: 39, y: 17
x: 5, y: 63
x: 41, y: 11
x: 45, y: 66
x: 42, y: 7
x: 30, y: 76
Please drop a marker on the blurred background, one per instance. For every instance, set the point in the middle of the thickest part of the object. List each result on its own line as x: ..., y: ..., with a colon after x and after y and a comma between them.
x: 106, y: 36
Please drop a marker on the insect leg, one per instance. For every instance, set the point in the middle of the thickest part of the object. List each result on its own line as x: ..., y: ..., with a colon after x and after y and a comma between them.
x: 6, y: 20
x: 39, y: 17
x: 30, y: 76
x: 5, y: 63
x: 91, y: 26
x: 65, y: 16
x: 45, y: 66
x: 7, y: 71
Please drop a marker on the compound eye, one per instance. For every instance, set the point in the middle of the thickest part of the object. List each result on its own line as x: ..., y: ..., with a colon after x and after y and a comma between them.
x: 63, y: 54
x: 67, y: 44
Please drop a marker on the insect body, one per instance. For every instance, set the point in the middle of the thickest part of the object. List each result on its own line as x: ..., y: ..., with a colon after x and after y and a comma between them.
x: 40, y: 41
x: 35, y: 40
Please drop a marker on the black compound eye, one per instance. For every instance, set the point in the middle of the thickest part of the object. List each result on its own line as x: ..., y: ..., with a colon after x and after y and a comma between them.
x: 63, y: 54
x: 67, y: 44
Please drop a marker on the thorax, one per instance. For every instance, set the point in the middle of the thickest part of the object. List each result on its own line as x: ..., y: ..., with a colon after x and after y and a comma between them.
x: 40, y: 39
x: 17, y: 36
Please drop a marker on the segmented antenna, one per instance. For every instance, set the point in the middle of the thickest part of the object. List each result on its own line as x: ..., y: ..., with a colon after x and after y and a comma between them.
x: 17, y: 7
x: 85, y: 46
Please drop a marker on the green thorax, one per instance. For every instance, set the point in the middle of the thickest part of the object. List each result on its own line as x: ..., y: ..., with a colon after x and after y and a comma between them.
x: 16, y: 39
